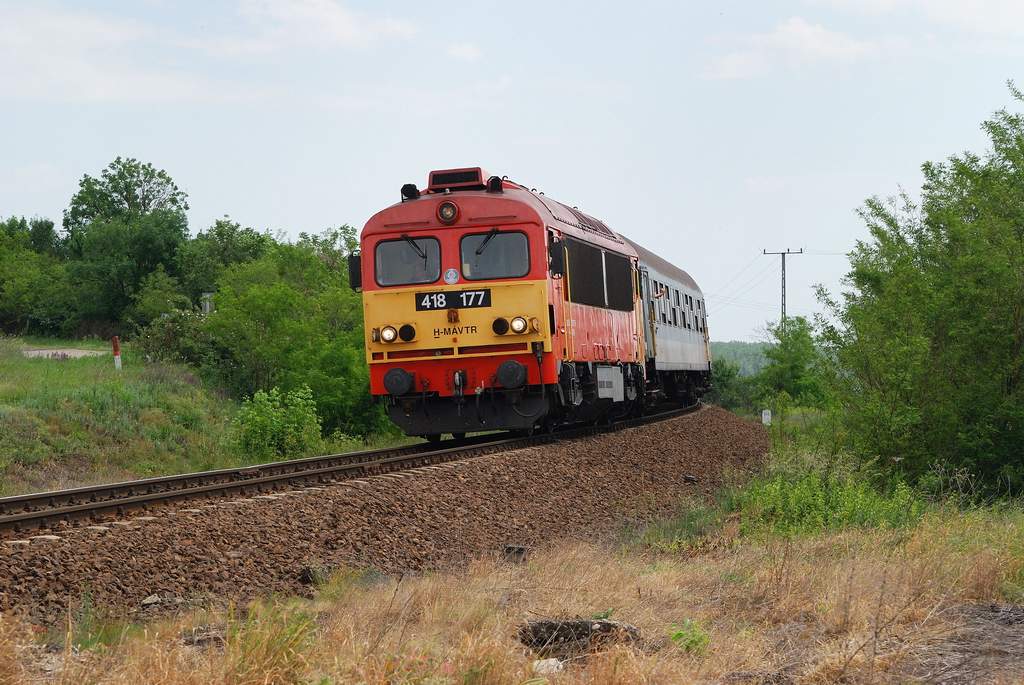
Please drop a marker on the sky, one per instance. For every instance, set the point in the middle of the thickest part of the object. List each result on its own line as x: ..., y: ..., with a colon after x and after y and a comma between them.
x: 709, y: 131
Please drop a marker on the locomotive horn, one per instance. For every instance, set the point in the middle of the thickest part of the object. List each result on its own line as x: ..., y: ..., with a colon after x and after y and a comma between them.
x: 410, y: 192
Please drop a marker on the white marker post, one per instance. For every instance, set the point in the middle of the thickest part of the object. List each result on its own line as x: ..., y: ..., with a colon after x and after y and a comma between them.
x: 766, y: 417
x: 117, y: 352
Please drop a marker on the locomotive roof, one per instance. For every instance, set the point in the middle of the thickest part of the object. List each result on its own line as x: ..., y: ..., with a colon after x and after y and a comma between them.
x: 663, y: 266
x: 569, y: 220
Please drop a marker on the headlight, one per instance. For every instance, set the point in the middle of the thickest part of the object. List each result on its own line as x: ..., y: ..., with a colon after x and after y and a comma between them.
x: 388, y: 334
x: 500, y: 326
x: 447, y: 212
x: 518, y: 325
x: 406, y: 333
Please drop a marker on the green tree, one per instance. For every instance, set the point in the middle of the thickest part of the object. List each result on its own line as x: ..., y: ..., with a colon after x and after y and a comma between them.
x: 125, y: 190
x: 286, y: 320
x: 36, y: 295
x: 113, y: 257
x: 120, y: 228
x: 928, y: 342
x: 202, y: 260
x: 16, y: 230
x: 792, y: 363
x: 159, y: 294
x: 43, y: 237
x: 732, y: 389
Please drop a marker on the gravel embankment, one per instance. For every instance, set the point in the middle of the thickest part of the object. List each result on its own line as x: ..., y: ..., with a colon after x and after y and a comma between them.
x: 435, y: 517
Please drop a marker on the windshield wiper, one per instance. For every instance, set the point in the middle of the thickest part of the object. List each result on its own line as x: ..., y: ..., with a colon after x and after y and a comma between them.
x: 412, y: 243
x: 490, y: 236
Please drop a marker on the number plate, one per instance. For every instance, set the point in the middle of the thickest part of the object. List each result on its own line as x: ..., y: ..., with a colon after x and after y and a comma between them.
x: 453, y: 299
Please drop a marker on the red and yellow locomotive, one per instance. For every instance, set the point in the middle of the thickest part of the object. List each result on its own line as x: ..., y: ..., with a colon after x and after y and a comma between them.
x: 490, y: 307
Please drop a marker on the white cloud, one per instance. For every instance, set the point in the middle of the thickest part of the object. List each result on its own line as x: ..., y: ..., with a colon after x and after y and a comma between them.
x: 995, y: 17
x: 794, y: 43
x: 85, y: 57
x: 307, y: 24
x: 464, y: 51
x: 420, y: 102
x: 47, y: 52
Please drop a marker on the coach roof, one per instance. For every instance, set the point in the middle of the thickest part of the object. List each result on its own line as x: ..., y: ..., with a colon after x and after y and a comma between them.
x: 663, y: 267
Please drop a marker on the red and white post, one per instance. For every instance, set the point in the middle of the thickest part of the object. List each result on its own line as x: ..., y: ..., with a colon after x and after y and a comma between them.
x: 117, y: 352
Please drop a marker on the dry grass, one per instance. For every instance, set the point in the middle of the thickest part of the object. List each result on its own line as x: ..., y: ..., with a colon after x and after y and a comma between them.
x: 858, y: 607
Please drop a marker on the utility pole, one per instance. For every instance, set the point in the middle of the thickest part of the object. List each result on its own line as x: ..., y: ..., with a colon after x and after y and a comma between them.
x: 788, y: 251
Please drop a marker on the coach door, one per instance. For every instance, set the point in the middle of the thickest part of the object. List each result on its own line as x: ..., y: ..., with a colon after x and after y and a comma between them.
x: 650, y: 344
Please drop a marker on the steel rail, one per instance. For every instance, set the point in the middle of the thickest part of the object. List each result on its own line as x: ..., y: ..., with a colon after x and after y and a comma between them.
x: 89, y: 505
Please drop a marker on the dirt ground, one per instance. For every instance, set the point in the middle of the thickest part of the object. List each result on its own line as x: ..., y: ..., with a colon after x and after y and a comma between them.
x: 61, y: 352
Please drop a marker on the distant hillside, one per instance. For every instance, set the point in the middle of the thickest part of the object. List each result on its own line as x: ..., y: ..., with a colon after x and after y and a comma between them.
x: 750, y: 356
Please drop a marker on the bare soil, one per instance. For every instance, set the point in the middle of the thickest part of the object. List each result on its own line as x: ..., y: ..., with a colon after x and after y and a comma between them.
x: 61, y: 352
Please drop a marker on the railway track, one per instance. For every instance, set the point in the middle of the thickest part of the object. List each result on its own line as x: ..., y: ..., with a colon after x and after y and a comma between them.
x: 90, y: 505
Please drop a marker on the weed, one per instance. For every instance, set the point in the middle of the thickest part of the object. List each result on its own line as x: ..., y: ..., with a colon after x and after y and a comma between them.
x: 690, y: 636
x: 269, y: 645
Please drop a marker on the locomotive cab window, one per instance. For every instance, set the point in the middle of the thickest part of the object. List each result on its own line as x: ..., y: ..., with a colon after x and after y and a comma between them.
x: 407, y: 261
x: 494, y: 254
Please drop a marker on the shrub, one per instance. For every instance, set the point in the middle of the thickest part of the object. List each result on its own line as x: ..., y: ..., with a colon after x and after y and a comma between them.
x: 817, y: 502
x: 275, y: 424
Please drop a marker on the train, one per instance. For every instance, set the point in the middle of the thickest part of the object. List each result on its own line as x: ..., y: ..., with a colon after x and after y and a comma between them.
x: 489, y: 306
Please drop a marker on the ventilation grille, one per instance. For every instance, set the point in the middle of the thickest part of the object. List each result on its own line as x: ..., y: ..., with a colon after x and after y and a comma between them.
x: 457, y: 178
x: 587, y: 223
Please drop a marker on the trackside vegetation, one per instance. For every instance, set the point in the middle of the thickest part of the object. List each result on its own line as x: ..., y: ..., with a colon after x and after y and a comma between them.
x: 70, y: 421
x: 246, y: 311
x: 917, y: 367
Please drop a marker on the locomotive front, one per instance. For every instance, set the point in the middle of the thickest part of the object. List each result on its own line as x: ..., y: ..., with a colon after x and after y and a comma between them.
x: 456, y: 299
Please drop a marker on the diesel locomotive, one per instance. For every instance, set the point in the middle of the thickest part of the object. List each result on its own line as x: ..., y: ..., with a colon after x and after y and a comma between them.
x: 489, y: 306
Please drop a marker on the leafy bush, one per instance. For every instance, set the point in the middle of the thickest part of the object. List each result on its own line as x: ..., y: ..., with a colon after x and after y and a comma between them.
x: 275, y: 424
x: 816, y: 502
x: 732, y: 389
x: 926, y: 343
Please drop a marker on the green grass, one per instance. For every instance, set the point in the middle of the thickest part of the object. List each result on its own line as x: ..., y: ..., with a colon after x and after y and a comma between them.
x: 72, y: 421
x: 805, y: 488
x: 79, y: 421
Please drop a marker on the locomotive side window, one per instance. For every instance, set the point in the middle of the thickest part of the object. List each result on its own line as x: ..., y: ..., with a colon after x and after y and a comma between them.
x: 494, y: 255
x: 618, y: 274
x: 407, y: 261
x: 586, y: 282
x: 599, y: 278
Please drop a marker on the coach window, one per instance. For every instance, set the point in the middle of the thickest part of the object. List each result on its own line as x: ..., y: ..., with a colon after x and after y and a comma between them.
x: 407, y: 261
x: 495, y: 255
